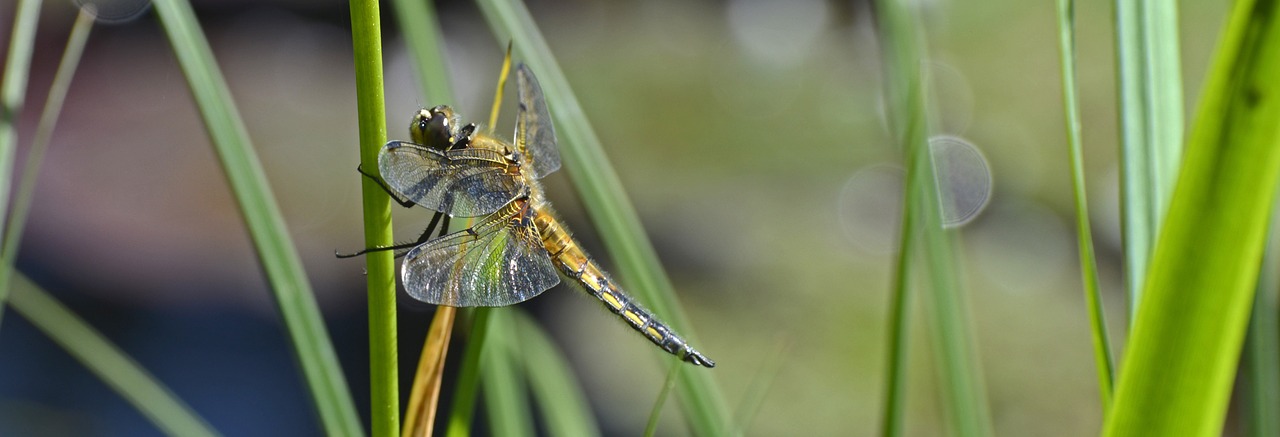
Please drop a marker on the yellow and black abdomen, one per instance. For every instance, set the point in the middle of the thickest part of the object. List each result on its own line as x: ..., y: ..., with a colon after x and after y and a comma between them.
x: 569, y: 257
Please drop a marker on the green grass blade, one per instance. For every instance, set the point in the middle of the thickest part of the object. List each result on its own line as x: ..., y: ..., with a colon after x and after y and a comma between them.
x: 1185, y: 343
x: 608, y: 205
x: 963, y: 388
x: 1084, y: 236
x: 506, y: 401
x: 95, y: 352
x: 963, y: 391
x: 749, y: 406
x: 261, y: 213
x: 13, y: 90
x: 464, y: 395
x: 366, y: 36
x: 655, y: 413
x: 40, y: 144
x: 18, y: 212
x: 425, y: 41
x: 891, y: 419
x: 1151, y: 126
x: 1262, y: 343
x: 560, y: 398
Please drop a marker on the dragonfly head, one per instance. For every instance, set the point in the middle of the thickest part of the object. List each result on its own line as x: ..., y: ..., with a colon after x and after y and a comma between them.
x: 435, y: 127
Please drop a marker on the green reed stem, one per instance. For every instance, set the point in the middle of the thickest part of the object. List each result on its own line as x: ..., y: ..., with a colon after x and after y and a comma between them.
x: 963, y: 391
x: 13, y: 90
x: 1185, y: 345
x: 366, y: 38
x: 1149, y: 80
x: 1084, y: 235
x: 261, y: 213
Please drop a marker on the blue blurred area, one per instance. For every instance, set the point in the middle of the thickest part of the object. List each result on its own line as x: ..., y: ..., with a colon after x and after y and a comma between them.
x: 234, y: 367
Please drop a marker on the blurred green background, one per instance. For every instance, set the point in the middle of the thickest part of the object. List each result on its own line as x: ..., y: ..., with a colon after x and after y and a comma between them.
x: 750, y: 137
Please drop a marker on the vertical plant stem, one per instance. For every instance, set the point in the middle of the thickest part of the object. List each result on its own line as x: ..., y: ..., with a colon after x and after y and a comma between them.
x: 964, y: 394
x: 891, y: 421
x: 1184, y: 350
x: 963, y: 390
x: 13, y: 90
x: 1084, y: 236
x: 366, y: 37
x: 262, y: 216
x: 1151, y: 127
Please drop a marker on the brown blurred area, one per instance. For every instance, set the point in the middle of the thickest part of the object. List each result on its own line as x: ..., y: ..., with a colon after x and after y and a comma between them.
x: 750, y: 137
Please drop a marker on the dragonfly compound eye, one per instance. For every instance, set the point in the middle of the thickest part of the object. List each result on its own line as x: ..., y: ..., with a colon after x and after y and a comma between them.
x: 433, y: 128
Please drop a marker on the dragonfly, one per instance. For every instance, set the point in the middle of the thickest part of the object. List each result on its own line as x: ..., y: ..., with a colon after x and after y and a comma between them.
x: 515, y: 249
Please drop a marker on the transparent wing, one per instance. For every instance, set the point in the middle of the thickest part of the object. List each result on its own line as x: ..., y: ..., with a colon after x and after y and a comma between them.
x: 535, y: 135
x: 465, y: 182
x: 498, y: 262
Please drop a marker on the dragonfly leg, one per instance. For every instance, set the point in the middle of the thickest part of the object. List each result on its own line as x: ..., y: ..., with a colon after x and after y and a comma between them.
x: 426, y: 235
x: 403, y: 201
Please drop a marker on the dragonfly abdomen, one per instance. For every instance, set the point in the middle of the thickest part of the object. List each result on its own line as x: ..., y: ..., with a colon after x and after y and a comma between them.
x: 569, y: 257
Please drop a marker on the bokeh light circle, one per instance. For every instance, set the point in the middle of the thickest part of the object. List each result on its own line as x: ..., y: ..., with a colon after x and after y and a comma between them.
x: 114, y: 11
x: 964, y: 179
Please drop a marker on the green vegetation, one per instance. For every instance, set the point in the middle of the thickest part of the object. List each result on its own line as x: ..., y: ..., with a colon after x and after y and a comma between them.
x: 725, y: 158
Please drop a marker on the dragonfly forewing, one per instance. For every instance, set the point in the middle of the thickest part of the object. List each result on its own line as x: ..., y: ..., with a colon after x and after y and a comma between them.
x: 499, y: 261
x: 467, y: 182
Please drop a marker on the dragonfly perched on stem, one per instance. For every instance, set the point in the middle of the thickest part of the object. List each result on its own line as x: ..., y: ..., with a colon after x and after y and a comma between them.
x: 513, y: 252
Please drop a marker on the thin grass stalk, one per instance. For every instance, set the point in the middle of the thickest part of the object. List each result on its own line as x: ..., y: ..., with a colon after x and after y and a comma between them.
x: 895, y: 387
x: 963, y: 391
x: 94, y: 351
x: 1262, y: 343
x: 1148, y: 67
x: 608, y: 206
x: 422, y: 36
x: 1084, y: 235
x: 424, y: 398
x: 655, y: 413
x: 138, y: 387
x: 464, y: 398
x: 749, y: 407
x: 505, y: 395
x: 1185, y: 345
x: 21, y: 208
x: 13, y: 90
x: 563, y: 405
x: 262, y: 216
x: 366, y: 38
